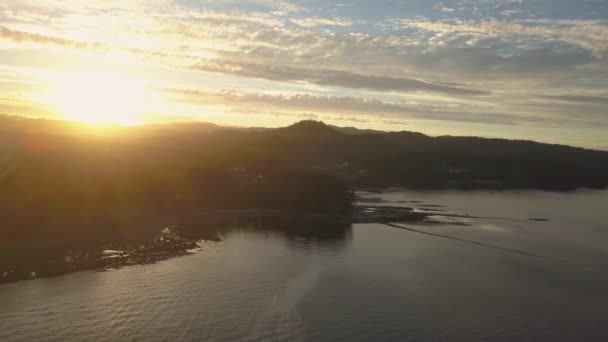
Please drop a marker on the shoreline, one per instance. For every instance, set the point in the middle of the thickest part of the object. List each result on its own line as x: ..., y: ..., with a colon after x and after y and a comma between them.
x: 180, y: 235
x: 176, y: 236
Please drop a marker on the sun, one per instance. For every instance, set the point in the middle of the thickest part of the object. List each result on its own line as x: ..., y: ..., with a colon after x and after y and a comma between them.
x: 98, y: 97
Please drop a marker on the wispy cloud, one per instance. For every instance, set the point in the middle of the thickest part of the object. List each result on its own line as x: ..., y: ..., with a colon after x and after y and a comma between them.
x: 601, y: 100
x: 312, y: 22
x: 328, y: 77
x: 343, y: 105
x: 323, y: 77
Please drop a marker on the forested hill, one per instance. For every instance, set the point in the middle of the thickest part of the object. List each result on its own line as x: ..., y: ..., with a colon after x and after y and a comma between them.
x: 365, y: 158
x: 416, y: 160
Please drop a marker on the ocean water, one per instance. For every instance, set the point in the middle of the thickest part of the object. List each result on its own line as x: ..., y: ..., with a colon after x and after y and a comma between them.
x: 502, y: 277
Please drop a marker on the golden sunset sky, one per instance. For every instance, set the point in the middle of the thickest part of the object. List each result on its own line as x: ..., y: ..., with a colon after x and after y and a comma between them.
x: 519, y: 69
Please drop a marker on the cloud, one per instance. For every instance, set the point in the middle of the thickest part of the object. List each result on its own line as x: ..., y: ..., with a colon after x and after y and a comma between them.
x: 346, y: 105
x: 96, y: 47
x: 328, y: 77
x: 322, y: 77
x: 586, y: 99
x: 311, y: 22
x: 421, y: 56
x: 468, y: 52
x: 588, y: 34
x: 25, y: 37
x: 281, y: 7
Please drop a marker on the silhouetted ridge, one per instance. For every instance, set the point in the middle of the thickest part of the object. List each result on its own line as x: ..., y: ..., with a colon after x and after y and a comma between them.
x: 309, y: 128
x: 47, y: 148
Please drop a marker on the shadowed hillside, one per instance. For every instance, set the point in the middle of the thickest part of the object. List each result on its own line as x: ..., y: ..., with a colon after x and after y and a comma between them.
x: 59, y: 174
x: 367, y: 158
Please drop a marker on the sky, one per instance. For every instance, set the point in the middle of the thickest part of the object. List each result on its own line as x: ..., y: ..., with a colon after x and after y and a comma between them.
x: 517, y: 69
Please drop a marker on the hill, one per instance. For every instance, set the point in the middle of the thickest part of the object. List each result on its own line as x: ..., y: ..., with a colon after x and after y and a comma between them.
x: 366, y: 158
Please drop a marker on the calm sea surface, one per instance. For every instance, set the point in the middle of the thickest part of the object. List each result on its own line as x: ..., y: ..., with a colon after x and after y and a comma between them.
x: 369, y: 283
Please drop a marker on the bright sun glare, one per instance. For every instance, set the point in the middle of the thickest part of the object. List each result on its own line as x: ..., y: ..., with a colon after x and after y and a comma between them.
x: 98, y: 97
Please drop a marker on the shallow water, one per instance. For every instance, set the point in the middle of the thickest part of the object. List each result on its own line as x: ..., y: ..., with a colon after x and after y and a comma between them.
x: 371, y: 282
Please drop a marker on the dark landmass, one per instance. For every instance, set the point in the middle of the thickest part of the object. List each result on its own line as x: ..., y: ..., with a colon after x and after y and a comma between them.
x: 104, y: 188
x: 58, y: 179
x: 367, y: 159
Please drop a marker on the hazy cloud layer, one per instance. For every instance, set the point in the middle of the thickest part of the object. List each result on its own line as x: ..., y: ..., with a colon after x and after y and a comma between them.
x: 328, y: 77
x: 346, y: 105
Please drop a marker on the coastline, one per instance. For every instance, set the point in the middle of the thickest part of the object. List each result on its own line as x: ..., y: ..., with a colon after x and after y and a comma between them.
x: 176, y: 236
x: 159, y: 239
